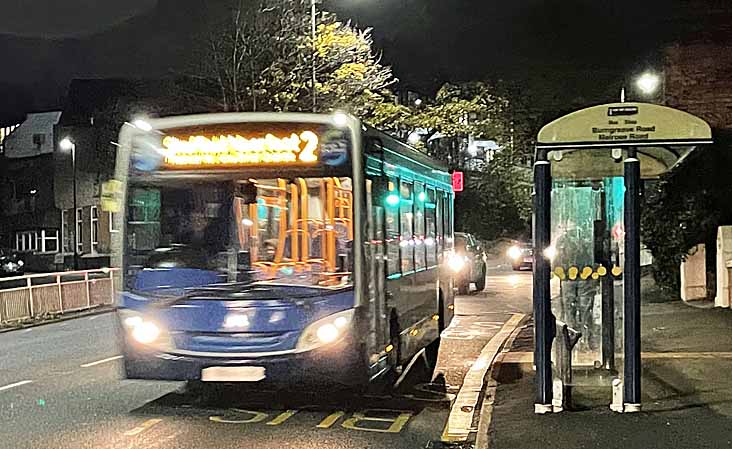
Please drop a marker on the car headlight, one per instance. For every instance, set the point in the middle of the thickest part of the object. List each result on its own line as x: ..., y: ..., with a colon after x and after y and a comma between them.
x: 514, y: 252
x: 144, y: 330
x: 21, y: 263
x: 456, y: 262
x: 326, y: 330
x: 550, y: 253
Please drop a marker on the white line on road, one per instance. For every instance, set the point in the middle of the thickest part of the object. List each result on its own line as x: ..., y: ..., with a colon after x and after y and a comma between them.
x: 92, y: 318
x: 99, y: 362
x: 16, y: 384
x: 27, y: 330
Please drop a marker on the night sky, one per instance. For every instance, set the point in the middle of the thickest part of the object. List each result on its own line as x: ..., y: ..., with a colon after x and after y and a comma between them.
x: 578, y: 49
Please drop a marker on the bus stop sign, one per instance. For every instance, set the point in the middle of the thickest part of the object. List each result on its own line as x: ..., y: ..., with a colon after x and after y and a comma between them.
x: 457, y: 181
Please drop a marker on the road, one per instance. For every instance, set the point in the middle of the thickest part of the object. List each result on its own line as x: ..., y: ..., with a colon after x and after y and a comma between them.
x: 60, y: 387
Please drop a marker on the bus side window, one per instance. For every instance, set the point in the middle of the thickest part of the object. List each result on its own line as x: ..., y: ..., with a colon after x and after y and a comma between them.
x: 430, y: 241
x: 406, y: 218
x: 420, y: 197
x: 391, y: 214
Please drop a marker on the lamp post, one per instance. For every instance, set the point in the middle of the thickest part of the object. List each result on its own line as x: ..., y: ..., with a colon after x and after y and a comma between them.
x: 68, y: 145
x: 313, y: 13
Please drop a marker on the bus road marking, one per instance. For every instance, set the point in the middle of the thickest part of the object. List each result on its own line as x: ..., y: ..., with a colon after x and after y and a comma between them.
x: 396, y: 424
x: 370, y: 420
x: 330, y: 420
x: 16, y: 384
x: 282, y: 417
x: 142, y: 427
x: 99, y: 362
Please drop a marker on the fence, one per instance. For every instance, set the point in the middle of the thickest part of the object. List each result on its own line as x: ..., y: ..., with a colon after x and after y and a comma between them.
x: 41, y: 295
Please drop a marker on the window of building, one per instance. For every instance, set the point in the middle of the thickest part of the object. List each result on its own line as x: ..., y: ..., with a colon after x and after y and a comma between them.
x: 94, y: 228
x: 79, y: 229
x: 406, y: 227
x: 26, y: 241
x: 49, y: 239
x: 66, y: 231
x: 113, y: 222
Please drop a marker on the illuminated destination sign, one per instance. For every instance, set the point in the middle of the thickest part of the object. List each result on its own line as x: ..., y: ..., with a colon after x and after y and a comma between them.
x: 237, y: 150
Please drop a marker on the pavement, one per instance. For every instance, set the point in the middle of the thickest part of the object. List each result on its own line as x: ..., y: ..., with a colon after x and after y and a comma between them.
x: 61, y: 387
x: 687, y: 390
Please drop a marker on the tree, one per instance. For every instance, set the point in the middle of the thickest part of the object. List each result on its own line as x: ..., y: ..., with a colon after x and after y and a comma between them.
x: 262, y: 61
x: 497, y: 197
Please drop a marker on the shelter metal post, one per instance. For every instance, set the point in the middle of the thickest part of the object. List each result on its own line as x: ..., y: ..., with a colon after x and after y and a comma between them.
x: 544, y: 324
x: 631, y: 275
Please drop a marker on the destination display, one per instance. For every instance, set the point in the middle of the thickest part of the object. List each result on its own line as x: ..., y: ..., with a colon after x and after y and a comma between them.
x: 241, y: 145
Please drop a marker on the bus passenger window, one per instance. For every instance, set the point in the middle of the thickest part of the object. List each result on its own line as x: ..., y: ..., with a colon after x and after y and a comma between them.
x: 430, y: 241
x: 420, y: 197
x: 440, y: 222
x: 406, y: 217
x: 391, y: 214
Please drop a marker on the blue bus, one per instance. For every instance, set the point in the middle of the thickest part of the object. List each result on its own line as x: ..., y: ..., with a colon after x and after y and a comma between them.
x: 285, y: 248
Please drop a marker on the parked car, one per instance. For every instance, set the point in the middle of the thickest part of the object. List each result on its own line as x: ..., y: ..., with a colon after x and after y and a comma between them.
x: 11, y: 263
x: 522, y: 256
x: 468, y: 262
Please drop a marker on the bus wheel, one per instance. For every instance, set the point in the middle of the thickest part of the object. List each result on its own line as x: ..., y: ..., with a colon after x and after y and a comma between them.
x: 433, y: 349
x: 463, y: 288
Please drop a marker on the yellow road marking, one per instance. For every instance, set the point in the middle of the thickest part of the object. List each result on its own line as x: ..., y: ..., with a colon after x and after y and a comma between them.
x: 460, y: 420
x: 330, y: 420
x: 256, y: 417
x: 396, y: 426
x: 282, y: 417
x: 142, y: 427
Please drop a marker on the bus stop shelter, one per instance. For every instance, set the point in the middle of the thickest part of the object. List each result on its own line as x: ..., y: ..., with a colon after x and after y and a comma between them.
x: 588, y: 174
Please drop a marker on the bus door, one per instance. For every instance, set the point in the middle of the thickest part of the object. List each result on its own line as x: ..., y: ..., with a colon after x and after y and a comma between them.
x: 376, y: 271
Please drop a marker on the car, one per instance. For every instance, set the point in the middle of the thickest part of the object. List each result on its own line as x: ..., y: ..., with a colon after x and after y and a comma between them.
x: 522, y: 256
x: 468, y: 262
x: 11, y: 263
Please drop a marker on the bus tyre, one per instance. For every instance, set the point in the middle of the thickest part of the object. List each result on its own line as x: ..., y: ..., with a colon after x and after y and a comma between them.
x: 463, y: 288
x: 480, y: 283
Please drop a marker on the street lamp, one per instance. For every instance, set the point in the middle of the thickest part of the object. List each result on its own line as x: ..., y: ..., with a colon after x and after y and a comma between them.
x: 313, y: 12
x: 648, y: 83
x: 67, y: 144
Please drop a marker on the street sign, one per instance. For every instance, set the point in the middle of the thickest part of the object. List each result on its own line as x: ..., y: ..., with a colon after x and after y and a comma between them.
x: 457, y: 181
x: 111, y: 192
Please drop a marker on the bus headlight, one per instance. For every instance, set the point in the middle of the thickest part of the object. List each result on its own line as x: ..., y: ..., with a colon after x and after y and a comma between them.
x: 514, y: 252
x: 456, y: 262
x: 144, y: 331
x: 326, y: 330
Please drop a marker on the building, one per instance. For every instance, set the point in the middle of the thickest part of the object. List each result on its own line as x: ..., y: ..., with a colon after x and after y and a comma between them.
x: 29, y: 220
x: 93, y: 113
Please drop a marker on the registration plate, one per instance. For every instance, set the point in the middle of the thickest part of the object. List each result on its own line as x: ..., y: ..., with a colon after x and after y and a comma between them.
x: 528, y: 259
x: 233, y: 374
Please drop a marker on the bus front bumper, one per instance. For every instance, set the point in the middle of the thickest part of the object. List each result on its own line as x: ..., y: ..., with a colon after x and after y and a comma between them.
x: 337, y: 363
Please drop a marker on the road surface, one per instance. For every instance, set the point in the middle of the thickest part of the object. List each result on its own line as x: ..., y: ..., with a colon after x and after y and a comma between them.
x: 60, y: 387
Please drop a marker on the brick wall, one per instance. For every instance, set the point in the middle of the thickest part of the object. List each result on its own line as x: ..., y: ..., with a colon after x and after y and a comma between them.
x: 699, y: 81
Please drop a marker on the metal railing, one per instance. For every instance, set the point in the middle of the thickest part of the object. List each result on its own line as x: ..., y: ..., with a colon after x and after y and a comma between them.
x: 37, y: 296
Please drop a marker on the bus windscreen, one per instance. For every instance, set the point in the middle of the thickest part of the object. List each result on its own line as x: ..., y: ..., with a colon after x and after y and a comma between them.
x: 182, y: 233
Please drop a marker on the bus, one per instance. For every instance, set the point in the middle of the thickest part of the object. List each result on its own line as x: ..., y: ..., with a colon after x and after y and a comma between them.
x: 286, y: 248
